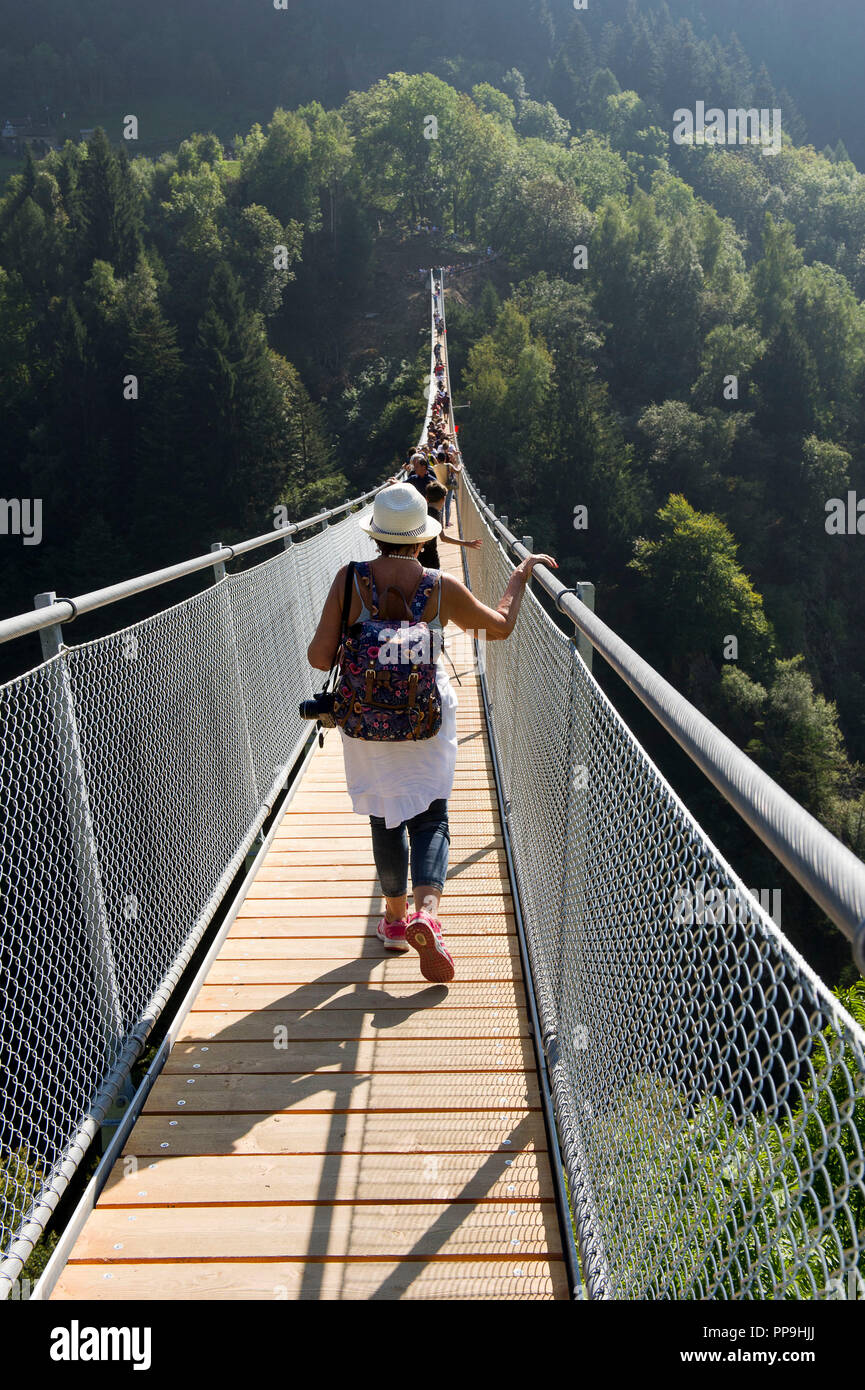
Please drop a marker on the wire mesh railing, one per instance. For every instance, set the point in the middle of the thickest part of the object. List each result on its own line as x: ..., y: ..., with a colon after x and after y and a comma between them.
x: 709, y: 1090
x: 137, y: 770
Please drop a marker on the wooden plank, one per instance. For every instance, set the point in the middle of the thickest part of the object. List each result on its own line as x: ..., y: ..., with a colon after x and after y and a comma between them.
x: 385, y: 1231
x: 380, y: 1054
x: 264, y: 1094
x: 389, y: 970
x: 275, y: 887
x: 305, y: 1131
x: 363, y: 906
x: 248, y: 1178
x: 469, y: 780
x: 285, y: 867
x: 370, y: 995
x: 481, y: 925
x: 355, y: 839
x: 354, y: 1023
x: 465, y: 779
x: 483, y: 822
x: 510, y: 1279
x: 361, y: 858
x: 363, y: 952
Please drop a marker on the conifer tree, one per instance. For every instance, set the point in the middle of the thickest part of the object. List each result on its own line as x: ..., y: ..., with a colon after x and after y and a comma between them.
x: 234, y: 409
x: 108, y: 217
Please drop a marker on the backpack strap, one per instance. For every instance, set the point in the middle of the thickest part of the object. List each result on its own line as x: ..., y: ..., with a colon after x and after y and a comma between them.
x: 422, y: 593
x: 364, y: 568
x: 343, y: 623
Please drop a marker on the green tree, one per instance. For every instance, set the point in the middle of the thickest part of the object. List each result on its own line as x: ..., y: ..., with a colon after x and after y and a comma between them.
x: 729, y: 351
x: 793, y: 732
x: 108, y: 215
x: 310, y: 477
x: 234, y: 410
x: 494, y: 103
x: 775, y: 277
x: 698, y: 592
x: 277, y: 169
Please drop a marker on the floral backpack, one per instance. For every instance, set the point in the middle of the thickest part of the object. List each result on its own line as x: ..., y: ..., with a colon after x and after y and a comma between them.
x: 387, y: 690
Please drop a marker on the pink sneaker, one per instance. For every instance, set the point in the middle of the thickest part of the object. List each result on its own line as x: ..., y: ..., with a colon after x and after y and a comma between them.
x: 392, y: 934
x: 424, y: 933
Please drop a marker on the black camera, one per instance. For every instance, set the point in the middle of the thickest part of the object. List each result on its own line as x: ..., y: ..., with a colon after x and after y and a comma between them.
x: 320, y: 707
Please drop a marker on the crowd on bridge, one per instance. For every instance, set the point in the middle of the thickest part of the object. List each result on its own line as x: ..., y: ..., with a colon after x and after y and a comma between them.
x: 435, y: 466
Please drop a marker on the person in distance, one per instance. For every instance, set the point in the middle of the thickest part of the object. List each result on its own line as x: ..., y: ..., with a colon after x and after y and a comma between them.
x: 429, y: 556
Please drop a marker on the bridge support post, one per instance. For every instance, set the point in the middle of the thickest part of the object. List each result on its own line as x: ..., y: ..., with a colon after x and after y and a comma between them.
x: 85, y: 851
x: 220, y: 574
x: 116, y: 1113
x: 219, y: 570
x: 586, y: 594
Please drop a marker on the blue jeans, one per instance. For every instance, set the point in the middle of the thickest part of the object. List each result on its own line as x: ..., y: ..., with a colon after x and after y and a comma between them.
x: 430, y: 837
x: 450, y: 498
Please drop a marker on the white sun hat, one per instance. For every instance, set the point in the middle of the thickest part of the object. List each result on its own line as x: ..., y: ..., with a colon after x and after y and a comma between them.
x: 400, y: 517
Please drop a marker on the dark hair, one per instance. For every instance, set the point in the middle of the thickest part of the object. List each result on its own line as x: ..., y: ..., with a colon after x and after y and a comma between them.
x: 435, y: 492
x: 391, y: 548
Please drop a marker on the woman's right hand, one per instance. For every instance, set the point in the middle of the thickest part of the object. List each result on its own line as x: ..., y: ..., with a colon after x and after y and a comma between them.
x: 529, y: 563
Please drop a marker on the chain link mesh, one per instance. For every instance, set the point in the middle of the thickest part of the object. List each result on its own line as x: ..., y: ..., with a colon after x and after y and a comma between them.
x: 709, y: 1090
x: 136, y: 770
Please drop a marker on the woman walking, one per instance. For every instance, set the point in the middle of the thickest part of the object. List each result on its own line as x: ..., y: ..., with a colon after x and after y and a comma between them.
x: 403, y: 787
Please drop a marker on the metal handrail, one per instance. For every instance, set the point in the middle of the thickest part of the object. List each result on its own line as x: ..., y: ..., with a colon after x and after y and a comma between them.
x: 828, y: 871
x: 64, y: 610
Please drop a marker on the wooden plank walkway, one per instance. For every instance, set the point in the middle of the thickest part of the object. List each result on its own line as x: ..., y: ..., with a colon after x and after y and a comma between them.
x: 328, y: 1124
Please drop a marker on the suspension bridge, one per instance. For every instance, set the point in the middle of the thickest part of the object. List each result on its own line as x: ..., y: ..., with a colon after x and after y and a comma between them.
x: 611, y: 1101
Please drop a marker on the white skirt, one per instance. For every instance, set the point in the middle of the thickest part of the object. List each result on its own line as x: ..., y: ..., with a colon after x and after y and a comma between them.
x: 399, y: 780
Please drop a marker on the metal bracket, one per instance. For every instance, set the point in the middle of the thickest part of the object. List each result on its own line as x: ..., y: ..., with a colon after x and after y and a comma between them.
x: 73, y: 605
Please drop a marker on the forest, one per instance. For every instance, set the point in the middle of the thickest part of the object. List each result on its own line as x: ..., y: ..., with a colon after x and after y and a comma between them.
x: 664, y: 361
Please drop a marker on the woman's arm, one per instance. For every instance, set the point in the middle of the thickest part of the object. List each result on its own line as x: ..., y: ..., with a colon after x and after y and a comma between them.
x: 322, y: 649
x: 461, y: 607
x: 454, y: 540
